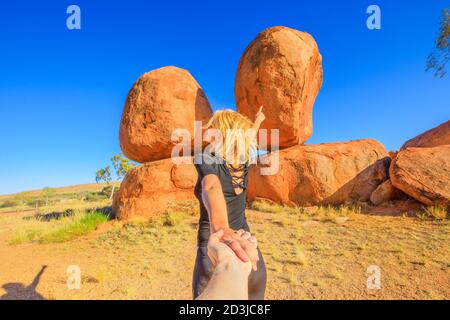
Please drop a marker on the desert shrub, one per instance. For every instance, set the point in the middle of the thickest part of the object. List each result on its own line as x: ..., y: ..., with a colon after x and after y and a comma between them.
x: 95, y: 196
x: 267, y: 206
x: 188, y: 207
x: 36, y: 202
x: 438, y: 212
x: 9, y: 204
x: 171, y: 219
x: 86, y: 224
x: 59, y: 230
x: 106, y: 191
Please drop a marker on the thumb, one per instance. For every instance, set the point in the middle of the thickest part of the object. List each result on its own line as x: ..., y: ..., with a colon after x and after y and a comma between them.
x: 216, y: 236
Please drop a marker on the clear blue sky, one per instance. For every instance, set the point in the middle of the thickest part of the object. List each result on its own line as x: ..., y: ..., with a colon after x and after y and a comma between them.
x: 62, y: 91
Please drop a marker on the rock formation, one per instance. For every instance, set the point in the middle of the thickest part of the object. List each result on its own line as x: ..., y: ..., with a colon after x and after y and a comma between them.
x: 330, y: 173
x: 385, y: 192
x: 437, y: 136
x: 159, y: 102
x: 150, y: 189
x: 423, y: 173
x: 281, y: 70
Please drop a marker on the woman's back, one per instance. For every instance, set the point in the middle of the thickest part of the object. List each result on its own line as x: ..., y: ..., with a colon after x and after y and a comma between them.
x: 234, y: 186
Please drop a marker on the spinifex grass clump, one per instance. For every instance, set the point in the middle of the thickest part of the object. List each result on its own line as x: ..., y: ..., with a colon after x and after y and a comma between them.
x: 58, y: 230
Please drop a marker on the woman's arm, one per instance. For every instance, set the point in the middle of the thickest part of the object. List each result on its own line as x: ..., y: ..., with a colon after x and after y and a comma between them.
x: 230, y: 278
x: 259, y: 118
x: 214, y: 201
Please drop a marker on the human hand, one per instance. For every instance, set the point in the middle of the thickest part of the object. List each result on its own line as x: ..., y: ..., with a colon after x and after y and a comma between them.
x: 260, y: 117
x: 243, y: 245
x: 219, y: 252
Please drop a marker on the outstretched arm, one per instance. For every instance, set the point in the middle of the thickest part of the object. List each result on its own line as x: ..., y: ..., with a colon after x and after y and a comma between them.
x: 259, y: 118
x: 230, y: 278
x: 215, y: 204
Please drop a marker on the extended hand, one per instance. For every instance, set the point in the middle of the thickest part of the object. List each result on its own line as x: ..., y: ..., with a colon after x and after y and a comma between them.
x: 243, y: 244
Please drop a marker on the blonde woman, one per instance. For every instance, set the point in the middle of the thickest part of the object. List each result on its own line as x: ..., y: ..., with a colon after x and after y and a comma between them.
x: 221, y: 190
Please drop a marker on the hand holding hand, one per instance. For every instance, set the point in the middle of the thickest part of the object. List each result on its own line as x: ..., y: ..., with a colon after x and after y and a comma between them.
x: 219, y: 252
x: 243, y: 245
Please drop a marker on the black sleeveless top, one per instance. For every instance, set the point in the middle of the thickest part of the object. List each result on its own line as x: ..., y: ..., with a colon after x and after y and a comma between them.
x: 211, y: 164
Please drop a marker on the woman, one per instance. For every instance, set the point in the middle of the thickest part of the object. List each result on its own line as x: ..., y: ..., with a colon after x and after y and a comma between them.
x: 221, y: 191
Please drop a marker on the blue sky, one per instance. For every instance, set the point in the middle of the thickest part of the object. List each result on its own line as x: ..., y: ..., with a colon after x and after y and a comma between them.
x: 62, y: 91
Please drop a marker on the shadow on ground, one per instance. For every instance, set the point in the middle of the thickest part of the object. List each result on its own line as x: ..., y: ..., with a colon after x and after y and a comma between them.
x: 18, y: 291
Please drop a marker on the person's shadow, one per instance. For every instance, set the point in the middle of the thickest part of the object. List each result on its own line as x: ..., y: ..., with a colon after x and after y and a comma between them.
x: 18, y: 291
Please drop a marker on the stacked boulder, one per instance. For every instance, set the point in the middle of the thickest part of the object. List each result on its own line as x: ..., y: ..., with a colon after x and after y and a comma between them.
x: 281, y: 69
x: 159, y: 102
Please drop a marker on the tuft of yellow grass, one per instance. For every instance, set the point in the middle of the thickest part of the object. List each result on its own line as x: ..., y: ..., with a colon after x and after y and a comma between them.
x: 267, y: 206
x: 320, y: 213
x: 438, y: 212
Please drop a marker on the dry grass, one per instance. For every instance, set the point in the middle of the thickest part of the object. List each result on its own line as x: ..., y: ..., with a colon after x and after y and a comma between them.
x: 438, y: 212
x: 81, y: 223
x: 310, y: 253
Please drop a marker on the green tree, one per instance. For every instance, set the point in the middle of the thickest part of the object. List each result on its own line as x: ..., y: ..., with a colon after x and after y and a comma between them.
x: 438, y: 59
x: 47, y: 192
x: 103, y: 175
x: 121, y: 165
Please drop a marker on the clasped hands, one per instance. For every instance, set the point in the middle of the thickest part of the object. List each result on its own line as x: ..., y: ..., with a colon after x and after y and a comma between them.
x: 238, y: 247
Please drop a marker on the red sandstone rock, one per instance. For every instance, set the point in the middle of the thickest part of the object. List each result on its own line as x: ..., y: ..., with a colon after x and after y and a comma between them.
x: 437, y: 136
x: 423, y: 173
x: 385, y: 192
x: 159, y: 102
x: 281, y: 70
x: 330, y: 173
x: 152, y: 188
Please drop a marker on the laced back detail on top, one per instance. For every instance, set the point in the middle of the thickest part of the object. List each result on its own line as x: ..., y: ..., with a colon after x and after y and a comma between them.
x: 238, y: 177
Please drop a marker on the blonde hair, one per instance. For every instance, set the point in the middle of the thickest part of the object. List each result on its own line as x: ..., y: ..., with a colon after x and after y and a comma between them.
x: 238, y: 136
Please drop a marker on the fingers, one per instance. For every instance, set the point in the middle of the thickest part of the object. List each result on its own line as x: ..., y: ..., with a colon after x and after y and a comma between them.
x: 260, y: 109
x: 246, y: 235
x: 253, y: 240
x: 238, y: 250
x: 252, y: 253
x: 216, y: 236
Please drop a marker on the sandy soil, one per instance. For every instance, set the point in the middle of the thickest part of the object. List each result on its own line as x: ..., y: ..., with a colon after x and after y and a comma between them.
x: 306, y: 259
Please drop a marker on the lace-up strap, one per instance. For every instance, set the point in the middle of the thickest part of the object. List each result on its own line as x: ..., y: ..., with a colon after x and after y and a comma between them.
x: 238, y: 181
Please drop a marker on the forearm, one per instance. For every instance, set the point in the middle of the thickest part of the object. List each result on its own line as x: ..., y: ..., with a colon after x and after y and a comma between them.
x: 228, y: 282
x: 216, y: 206
x: 256, y: 125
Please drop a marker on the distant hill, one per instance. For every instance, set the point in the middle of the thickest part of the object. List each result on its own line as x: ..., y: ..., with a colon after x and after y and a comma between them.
x: 88, y: 187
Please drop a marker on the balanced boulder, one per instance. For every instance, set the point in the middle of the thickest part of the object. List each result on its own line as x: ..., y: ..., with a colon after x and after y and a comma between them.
x: 281, y: 70
x: 159, y: 102
x: 437, y: 136
x: 152, y: 188
x: 330, y: 173
x: 423, y: 173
